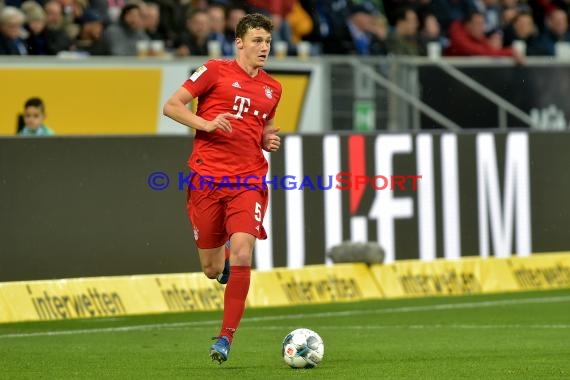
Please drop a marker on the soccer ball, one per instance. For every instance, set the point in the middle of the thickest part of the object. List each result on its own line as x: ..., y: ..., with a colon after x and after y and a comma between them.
x: 303, y: 348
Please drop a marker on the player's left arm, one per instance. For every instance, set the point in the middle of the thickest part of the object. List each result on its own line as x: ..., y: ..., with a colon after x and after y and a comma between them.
x: 270, y: 140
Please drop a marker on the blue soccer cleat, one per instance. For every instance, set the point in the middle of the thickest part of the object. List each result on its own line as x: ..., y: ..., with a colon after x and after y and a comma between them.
x: 220, y: 350
x: 225, y: 275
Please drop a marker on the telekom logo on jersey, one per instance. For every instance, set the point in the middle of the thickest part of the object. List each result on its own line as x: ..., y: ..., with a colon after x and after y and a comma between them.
x: 242, y: 104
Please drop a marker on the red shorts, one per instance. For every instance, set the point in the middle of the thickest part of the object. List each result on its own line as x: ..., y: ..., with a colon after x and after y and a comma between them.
x: 218, y: 212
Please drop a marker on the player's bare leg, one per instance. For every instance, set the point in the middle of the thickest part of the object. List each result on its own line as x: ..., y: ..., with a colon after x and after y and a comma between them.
x: 236, y: 293
x: 212, y: 261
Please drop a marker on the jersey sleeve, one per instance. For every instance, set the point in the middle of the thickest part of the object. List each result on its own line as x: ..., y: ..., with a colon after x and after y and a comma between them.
x: 202, y: 80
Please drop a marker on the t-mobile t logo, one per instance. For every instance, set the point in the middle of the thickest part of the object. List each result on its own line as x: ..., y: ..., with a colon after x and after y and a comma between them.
x: 241, y: 104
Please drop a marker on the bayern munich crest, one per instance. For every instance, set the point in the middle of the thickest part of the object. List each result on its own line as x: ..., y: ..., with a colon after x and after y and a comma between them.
x: 268, y: 92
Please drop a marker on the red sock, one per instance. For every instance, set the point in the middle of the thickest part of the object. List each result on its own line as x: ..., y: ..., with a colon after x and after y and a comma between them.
x: 234, y: 299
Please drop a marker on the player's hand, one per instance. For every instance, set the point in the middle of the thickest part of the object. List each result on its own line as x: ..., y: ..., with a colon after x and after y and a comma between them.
x: 271, y: 141
x: 221, y: 122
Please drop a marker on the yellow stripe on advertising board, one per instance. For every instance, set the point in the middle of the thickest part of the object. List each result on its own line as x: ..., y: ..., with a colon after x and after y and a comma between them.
x: 108, y: 296
x: 84, y: 100
x: 313, y: 284
x: 415, y: 278
x: 147, y: 294
x: 473, y: 275
x: 540, y: 272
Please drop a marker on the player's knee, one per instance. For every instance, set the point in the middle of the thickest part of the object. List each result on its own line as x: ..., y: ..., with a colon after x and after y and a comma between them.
x: 241, y: 248
x: 211, y: 272
x: 242, y: 255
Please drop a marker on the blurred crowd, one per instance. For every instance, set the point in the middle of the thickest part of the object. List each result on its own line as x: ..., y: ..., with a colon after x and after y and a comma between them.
x: 366, y: 27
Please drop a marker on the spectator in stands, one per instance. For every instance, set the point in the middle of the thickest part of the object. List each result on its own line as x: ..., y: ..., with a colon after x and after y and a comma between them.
x: 233, y: 15
x: 329, y: 19
x: 151, y: 20
x: 404, y: 39
x: 492, y: 12
x: 391, y: 8
x: 56, y: 27
x: 173, y: 17
x: 36, y: 42
x: 122, y: 37
x: 430, y: 31
x: 279, y: 11
x: 90, y: 39
x: 380, y: 30
x: 71, y: 9
x: 54, y: 14
x: 101, y: 8
x: 449, y: 11
x: 300, y: 22
x: 467, y: 38
x: 41, y: 40
x: 194, y: 40
x: 114, y: 8
x: 556, y: 30
x: 540, y: 10
x: 34, y: 117
x: 217, y: 14
x: 509, y: 11
x: 359, y: 34
x: 11, y: 23
x: 523, y: 29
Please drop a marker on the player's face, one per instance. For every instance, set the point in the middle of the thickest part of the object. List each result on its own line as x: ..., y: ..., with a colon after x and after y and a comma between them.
x: 256, y: 45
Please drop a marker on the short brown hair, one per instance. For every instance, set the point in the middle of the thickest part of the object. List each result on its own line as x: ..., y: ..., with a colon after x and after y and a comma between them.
x: 35, y: 102
x: 253, y: 21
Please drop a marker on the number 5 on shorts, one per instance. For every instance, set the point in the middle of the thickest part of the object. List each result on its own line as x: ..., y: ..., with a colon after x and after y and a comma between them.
x: 257, y: 211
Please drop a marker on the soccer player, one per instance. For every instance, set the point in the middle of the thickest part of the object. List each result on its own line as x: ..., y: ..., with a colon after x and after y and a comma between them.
x: 226, y: 199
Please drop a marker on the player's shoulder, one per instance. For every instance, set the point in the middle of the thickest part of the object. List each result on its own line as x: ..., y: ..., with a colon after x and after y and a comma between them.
x: 269, y: 80
x: 210, y: 68
x: 218, y: 63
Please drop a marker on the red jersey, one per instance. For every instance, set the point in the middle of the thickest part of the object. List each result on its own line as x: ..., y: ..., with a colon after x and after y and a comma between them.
x: 223, y: 86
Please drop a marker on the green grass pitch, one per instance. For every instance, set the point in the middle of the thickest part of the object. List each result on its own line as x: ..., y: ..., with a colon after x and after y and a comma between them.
x: 502, y: 336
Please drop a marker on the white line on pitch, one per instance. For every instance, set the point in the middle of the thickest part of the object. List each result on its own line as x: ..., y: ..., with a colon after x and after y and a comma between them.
x: 346, y: 313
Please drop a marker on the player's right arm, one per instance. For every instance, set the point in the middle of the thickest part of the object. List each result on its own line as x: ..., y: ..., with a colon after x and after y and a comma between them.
x: 177, y: 109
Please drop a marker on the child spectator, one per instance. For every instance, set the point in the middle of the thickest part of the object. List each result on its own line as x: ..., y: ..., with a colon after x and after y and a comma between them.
x: 34, y: 116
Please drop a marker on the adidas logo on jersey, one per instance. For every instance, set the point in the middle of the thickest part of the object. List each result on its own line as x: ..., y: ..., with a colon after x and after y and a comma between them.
x: 236, y: 85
